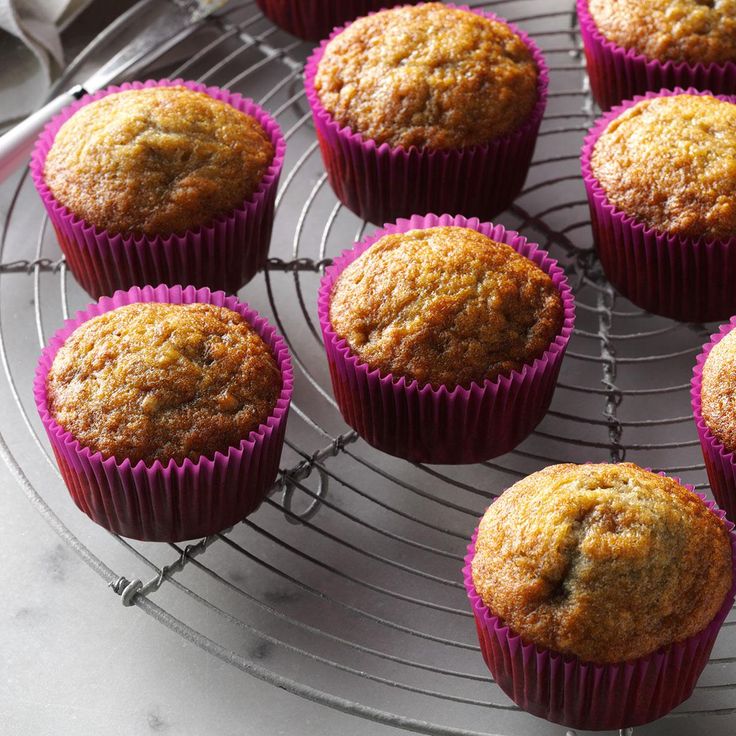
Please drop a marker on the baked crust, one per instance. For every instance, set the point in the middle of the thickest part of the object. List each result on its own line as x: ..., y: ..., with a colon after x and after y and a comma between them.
x: 160, y: 381
x: 428, y: 76
x: 680, y: 30
x: 718, y: 391
x: 445, y: 305
x: 606, y: 562
x: 157, y: 160
x: 670, y: 162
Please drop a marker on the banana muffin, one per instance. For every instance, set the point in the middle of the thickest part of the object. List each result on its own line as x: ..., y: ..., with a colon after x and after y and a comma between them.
x: 670, y: 163
x: 428, y: 76
x: 445, y: 305
x: 718, y: 391
x: 679, y: 30
x: 154, y: 381
x: 156, y: 160
x: 605, y: 562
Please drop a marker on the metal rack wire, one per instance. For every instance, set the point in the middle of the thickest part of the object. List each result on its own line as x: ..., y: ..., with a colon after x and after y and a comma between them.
x: 344, y: 588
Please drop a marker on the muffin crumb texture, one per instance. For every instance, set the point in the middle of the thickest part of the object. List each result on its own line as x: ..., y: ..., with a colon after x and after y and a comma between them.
x: 428, y: 76
x: 606, y: 562
x: 159, y: 381
x: 157, y: 160
x: 679, y: 30
x: 718, y: 391
x: 445, y: 305
x: 670, y: 162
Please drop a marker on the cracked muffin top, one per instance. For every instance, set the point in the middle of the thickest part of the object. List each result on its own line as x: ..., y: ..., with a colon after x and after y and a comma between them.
x: 670, y: 162
x: 718, y: 391
x: 157, y: 160
x: 445, y: 305
x: 428, y: 76
x: 160, y: 381
x: 681, y: 30
x: 606, y: 562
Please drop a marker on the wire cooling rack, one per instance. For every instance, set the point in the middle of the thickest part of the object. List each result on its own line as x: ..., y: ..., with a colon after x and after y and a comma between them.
x: 345, y: 587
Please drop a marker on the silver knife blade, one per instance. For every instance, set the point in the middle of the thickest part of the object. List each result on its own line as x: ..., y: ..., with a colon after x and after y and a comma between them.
x: 162, y: 34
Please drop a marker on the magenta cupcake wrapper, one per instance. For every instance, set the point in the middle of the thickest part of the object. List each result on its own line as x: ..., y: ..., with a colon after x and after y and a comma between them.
x: 618, y: 74
x: 688, y: 279
x: 175, y: 501
x: 441, y: 425
x: 312, y: 20
x: 222, y: 254
x: 720, y: 464
x: 381, y: 183
x: 584, y: 695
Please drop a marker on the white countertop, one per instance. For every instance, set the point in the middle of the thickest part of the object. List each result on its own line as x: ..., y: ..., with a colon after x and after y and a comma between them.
x: 76, y: 662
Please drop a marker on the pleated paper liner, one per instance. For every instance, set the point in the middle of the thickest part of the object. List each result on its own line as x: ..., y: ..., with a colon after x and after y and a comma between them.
x: 720, y: 463
x: 597, y: 697
x: 173, y: 501
x: 618, y: 74
x: 313, y: 20
x: 688, y: 279
x: 224, y: 253
x: 381, y: 183
x: 441, y: 425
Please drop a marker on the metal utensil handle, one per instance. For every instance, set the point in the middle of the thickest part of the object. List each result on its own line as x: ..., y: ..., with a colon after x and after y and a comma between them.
x: 16, y: 144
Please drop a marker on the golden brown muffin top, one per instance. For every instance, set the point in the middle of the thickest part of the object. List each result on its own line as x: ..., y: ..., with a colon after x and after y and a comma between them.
x: 670, y: 162
x: 159, y: 381
x: 428, y: 76
x: 606, y: 562
x: 157, y: 160
x: 680, y: 30
x: 718, y: 391
x: 445, y: 305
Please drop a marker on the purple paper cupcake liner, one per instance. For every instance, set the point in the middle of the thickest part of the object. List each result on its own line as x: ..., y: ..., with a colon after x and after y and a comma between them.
x: 223, y: 254
x: 312, y: 20
x: 688, y: 279
x: 618, y: 74
x: 441, y: 425
x: 720, y: 464
x: 173, y: 501
x: 597, y: 697
x: 381, y: 183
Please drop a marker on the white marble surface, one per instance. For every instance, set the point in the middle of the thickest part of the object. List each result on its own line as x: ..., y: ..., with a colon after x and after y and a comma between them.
x: 76, y: 662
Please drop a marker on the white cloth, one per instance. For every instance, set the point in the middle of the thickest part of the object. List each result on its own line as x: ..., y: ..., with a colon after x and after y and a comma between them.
x: 31, y: 56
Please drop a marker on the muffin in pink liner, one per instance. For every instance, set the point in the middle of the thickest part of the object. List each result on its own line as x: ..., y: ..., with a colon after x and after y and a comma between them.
x: 720, y: 462
x: 674, y: 275
x: 223, y: 253
x: 170, y: 501
x: 422, y: 423
x: 382, y: 182
x: 312, y: 20
x: 582, y: 694
x: 617, y: 73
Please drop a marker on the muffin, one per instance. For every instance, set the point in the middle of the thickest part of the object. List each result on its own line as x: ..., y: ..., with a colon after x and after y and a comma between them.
x: 156, y: 161
x: 444, y: 337
x: 606, y: 564
x: 166, y: 410
x: 163, y: 381
x: 408, y: 97
x: 446, y: 306
x: 160, y: 182
x: 636, y: 46
x: 713, y: 389
x: 663, y: 214
x: 718, y: 391
x: 312, y: 20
